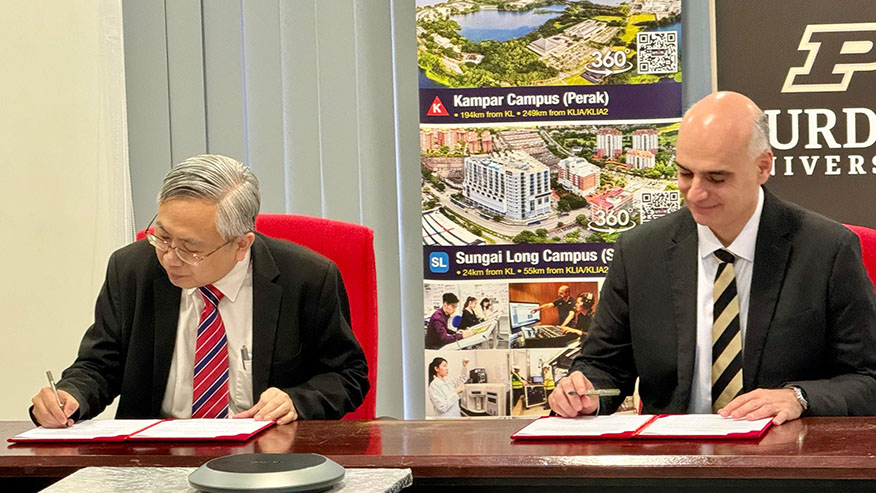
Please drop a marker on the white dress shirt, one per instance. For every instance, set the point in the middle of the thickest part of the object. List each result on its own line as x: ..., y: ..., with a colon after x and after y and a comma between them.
x: 707, y: 266
x: 443, y: 395
x: 236, y: 311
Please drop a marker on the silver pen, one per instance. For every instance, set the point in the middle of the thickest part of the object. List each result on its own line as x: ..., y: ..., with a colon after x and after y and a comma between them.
x: 244, y: 356
x: 599, y: 392
x: 54, y: 388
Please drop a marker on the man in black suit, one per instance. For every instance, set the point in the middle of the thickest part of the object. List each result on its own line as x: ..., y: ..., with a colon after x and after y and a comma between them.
x: 780, y: 321
x: 281, y: 326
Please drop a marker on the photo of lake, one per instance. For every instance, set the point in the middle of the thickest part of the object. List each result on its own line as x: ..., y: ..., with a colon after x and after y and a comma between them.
x: 474, y: 43
x: 500, y: 25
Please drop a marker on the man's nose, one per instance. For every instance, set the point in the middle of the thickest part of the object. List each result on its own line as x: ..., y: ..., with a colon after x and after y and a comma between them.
x: 170, y: 257
x: 697, y: 191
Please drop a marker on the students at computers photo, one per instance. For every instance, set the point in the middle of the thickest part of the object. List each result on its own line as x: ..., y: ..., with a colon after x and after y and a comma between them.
x: 469, y: 317
x: 486, y: 308
x: 438, y: 332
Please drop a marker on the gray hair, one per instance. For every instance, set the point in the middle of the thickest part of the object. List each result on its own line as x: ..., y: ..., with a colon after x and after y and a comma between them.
x: 220, y: 180
x: 759, y: 141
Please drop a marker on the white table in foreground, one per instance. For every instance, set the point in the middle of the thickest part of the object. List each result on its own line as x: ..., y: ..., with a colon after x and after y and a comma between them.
x: 175, y: 479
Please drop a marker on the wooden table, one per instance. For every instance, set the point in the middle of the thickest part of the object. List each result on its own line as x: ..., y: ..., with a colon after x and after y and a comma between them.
x: 814, y: 453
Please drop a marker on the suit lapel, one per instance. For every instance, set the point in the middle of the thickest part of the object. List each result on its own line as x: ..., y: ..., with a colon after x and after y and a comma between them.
x: 771, y: 255
x: 681, y: 263
x: 167, y: 298
x: 266, y: 298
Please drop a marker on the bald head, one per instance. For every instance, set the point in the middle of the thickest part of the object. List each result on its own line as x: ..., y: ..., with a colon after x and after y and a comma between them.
x: 728, y: 122
x: 723, y: 158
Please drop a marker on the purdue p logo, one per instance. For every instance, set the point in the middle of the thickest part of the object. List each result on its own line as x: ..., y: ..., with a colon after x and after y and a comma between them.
x: 836, y: 53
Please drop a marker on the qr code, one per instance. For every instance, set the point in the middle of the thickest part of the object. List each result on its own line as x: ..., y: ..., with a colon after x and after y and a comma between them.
x: 657, y: 52
x: 658, y: 204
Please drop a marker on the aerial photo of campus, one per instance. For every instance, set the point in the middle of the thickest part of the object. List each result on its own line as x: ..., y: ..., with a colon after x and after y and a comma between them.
x: 544, y: 184
x: 482, y: 43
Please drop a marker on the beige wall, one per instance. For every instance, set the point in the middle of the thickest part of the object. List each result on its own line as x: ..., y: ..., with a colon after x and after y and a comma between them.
x: 65, y: 193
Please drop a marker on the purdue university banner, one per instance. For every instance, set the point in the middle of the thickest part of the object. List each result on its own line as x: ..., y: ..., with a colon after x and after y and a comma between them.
x: 811, y: 65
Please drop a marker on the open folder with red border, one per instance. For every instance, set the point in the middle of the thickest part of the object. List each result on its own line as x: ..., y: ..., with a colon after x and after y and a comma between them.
x: 120, y: 430
x: 626, y: 426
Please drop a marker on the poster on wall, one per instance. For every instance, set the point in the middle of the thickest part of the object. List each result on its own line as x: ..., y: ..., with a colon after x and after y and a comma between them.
x: 547, y: 128
x: 811, y: 66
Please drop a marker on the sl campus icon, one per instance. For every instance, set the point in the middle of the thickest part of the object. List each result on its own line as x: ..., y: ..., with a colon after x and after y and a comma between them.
x: 439, y: 262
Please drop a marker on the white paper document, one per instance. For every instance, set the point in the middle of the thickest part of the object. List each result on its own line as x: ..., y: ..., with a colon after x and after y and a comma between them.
x: 702, y: 425
x: 110, y: 430
x: 89, y: 430
x: 196, y: 429
x: 584, y: 426
x: 622, y: 426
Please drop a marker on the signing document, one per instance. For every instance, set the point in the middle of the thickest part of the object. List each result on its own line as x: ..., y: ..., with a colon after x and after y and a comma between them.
x: 117, y: 430
x: 702, y: 426
x: 202, y: 429
x: 623, y: 426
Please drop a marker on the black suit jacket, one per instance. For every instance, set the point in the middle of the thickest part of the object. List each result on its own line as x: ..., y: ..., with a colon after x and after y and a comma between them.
x: 302, y: 341
x: 811, y: 317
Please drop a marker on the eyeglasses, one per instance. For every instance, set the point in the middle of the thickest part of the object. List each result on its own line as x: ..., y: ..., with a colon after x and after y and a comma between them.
x: 186, y: 256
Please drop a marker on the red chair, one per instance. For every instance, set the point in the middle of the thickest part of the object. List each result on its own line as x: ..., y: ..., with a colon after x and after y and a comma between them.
x: 867, y: 237
x: 351, y: 247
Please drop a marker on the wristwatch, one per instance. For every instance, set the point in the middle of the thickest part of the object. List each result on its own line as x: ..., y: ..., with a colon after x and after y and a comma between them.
x: 800, y: 394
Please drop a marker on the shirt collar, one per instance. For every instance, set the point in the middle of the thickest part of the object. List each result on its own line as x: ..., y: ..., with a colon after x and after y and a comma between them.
x: 744, y: 243
x: 230, y: 284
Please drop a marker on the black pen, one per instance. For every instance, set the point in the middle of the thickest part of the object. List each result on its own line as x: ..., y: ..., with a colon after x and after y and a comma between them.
x: 599, y: 392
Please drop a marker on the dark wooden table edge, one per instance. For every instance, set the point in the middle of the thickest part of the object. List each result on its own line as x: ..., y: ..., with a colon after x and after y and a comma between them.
x: 58, y: 467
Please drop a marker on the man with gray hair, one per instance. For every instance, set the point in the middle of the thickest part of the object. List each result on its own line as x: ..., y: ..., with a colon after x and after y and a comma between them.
x: 741, y: 304
x: 208, y: 319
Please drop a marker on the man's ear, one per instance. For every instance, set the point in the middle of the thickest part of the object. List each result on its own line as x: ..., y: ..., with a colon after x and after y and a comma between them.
x: 243, y: 244
x: 764, y: 166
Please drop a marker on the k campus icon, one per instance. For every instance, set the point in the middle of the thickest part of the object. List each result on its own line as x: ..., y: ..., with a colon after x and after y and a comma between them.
x: 439, y: 262
x: 836, y: 53
x: 437, y: 108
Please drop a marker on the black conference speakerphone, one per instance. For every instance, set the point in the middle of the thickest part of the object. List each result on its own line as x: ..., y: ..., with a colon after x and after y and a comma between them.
x: 267, y: 473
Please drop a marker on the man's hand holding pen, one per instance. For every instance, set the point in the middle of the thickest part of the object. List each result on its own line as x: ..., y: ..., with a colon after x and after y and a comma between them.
x: 574, y: 396
x: 51, y: 413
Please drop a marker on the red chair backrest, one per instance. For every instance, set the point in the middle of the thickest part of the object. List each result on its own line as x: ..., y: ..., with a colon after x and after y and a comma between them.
x: 351, y: 247
x: 868, y: 248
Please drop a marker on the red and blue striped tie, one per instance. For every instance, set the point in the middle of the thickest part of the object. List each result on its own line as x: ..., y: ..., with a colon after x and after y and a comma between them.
x: 210, y: 386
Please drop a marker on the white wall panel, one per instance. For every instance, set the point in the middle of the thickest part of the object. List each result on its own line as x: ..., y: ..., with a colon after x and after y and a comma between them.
x: 66, y: 202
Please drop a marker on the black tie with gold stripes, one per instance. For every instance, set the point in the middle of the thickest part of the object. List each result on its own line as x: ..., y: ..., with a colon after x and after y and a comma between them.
x: 726, y: 335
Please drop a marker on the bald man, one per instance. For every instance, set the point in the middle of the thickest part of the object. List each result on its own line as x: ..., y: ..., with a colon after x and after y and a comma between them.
x: 564, y: 303
x: 741, y: 304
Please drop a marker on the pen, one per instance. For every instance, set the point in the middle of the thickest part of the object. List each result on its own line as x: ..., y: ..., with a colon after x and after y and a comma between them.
x: 599, y: 392
x: 244, y: 356
x: 54, y: 388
